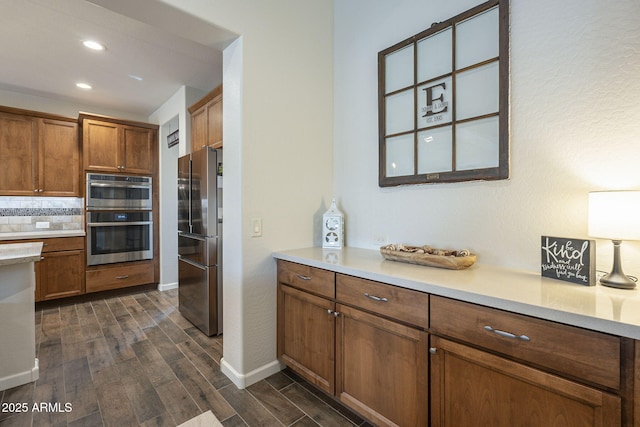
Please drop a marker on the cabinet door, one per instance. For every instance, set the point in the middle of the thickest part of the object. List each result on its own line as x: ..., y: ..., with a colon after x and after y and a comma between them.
x: 60, y: 274
x: 59, y: 165
x: 199, y: 128
x: 214, y: 119
x: 382, y: 368
x: 137, y: 150
x: 306, y: 336
x: 101, y: 146
x: 470, y: 387
x: 18, y: 151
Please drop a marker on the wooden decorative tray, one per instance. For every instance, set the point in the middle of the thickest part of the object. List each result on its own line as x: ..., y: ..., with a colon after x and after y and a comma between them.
x: 426, y: 255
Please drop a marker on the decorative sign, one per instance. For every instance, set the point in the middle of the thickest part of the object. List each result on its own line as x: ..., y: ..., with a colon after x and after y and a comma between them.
x: 571, y: 260
x: 173, y: 139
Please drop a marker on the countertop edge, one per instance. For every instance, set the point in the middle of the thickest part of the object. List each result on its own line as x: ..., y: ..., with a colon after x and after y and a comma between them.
x: 41, y: 234
x: 20, y: 253
x: 592, y: 322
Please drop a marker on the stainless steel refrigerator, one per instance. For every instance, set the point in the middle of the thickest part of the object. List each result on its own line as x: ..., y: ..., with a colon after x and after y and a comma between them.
x: 200, y: 239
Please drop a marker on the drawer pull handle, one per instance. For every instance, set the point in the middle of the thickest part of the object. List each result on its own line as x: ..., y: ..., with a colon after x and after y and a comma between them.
x: 507, y: 334
x: 126, y: 276
x: 375, y: 298
x: 300, y: 276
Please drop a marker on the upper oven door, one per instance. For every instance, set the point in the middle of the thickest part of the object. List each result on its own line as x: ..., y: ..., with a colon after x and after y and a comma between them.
x: 118, y: 192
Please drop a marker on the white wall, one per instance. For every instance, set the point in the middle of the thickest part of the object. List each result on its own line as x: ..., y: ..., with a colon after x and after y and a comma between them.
x: 278, y: 127
x: 574, y: 128
x: 171, y: 116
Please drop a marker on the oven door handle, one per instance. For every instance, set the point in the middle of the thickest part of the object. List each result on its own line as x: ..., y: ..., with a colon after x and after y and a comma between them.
x: 118, y: 184
x: 114, y: 224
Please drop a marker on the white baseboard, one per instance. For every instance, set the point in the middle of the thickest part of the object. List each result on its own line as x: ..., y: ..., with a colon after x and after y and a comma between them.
x: 245, y: 380
x: 20, y: 378
x: 167, y: 286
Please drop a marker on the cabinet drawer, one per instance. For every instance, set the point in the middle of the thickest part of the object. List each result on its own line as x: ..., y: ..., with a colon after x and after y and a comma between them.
x: 54, y: 244
x: 119, y: 277
x: 62, y: 244
x: 579, y: 353
x: 311, y: 279
x: 398, y: 303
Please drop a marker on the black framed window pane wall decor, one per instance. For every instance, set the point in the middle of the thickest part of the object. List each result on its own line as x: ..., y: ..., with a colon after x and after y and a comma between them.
x: 443, y: 101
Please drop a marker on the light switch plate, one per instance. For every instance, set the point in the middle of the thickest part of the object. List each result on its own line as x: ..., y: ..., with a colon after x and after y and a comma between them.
x: 256, y: 227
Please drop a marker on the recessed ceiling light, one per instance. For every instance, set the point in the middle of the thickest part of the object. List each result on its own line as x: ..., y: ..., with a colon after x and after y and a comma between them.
x: 83, y: 86
x: 94, y: 45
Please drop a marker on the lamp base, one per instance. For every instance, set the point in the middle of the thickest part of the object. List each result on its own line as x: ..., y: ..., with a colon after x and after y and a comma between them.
x: 620, y: 281
x: 617, y: 278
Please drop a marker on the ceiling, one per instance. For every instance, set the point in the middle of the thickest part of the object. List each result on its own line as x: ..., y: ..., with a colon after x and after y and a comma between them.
x: 142, y: 66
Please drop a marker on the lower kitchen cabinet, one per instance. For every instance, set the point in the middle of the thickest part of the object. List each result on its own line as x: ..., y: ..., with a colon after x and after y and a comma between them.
x: 60, y: 271
x: 373, y: 364
x: 470, y: 387
x: 382, y: 368
x: 116, y: 276
x: 60, y: 274
x: 306, y: 336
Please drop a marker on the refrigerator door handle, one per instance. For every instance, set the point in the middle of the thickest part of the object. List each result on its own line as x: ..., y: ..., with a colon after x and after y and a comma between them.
x: 193, y: 263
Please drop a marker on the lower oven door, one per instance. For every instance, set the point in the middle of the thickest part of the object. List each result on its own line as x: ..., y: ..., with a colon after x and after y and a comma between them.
x: 119, y: 237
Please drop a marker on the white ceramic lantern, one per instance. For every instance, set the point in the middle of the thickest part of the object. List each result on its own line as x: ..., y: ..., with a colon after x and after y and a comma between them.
x: 333, y: 227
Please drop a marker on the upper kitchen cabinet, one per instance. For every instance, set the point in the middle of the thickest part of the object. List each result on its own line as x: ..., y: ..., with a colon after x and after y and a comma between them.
x: 112, y: 145
x: 206, y: 121
x: 40, y: 154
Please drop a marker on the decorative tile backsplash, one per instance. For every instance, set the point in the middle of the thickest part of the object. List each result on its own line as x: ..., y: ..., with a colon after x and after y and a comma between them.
x: 20, y: 214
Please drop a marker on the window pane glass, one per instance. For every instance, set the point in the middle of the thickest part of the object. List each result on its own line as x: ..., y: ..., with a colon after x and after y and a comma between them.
x: 434, y: 103
x: 399, y: 155
x: 434, y: 150
x: 398, y: 69
x: 434, y: 55
x: 477, y: 144
x: 477, y: 91
x: 399, y: 112
x: 477, y: 39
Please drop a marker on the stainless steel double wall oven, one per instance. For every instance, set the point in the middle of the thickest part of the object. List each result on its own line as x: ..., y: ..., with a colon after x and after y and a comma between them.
x: 119, y: 218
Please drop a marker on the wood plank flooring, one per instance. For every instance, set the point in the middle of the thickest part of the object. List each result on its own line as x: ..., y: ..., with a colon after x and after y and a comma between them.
x: 133, y: 360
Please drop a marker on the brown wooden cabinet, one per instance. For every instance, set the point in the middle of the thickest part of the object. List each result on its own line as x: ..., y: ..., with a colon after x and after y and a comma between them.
x: 505, y: 369
x: 382, y: 368
x: 114, y: 146
x: 40, y: 153
x: 470, y: 387
x: 377, y: 364
x: 306, y: 336
x: 206, y: 121
x: 122, y: 275
x: 60, y: 272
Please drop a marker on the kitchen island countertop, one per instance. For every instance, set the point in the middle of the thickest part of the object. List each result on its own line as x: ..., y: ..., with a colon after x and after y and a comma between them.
x: 613, y: 311
x: 17, y: 253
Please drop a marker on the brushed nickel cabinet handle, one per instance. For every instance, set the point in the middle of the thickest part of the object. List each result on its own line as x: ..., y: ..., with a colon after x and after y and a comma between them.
x: 300, y: 276
x: 375, y: 298
x: 126, y: 276
x: 433, y: 350
x: 507, y: 334
x: 336, y: 314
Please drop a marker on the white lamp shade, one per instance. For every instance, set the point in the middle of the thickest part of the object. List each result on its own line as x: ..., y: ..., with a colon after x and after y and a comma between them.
x: 614, y: 215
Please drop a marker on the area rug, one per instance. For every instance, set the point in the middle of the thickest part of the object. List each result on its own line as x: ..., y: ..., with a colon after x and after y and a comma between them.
x: 206, y: 419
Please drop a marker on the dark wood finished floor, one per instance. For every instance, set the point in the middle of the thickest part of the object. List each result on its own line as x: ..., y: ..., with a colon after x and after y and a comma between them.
x: 135, y: 361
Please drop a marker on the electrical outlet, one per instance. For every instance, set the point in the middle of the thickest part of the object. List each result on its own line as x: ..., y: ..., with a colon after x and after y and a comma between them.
x: 42, y: 224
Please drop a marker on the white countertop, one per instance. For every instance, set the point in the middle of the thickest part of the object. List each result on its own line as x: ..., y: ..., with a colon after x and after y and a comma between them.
x: 18, y: 253
x: 599, y: 308
x: 41, y: 234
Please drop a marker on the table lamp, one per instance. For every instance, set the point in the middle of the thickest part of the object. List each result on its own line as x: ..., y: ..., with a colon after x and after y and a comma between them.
x: 615, y: 215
